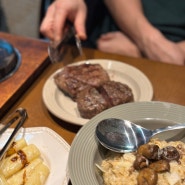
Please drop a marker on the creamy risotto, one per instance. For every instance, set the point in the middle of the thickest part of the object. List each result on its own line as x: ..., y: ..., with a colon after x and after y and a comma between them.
x: 156, y: 163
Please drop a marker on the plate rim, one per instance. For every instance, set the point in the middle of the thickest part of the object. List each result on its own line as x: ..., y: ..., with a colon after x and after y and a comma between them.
x: 79, y: 120
x: 91, y: 144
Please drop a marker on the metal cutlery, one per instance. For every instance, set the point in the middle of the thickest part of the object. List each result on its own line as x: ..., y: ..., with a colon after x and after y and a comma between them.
x: 57, y: 51
x: 18, y: 117
x: 124, y: 136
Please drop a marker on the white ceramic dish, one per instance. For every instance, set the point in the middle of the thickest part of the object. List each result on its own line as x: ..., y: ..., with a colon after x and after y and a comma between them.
x: 85, y: 150
x: 54, y: 151
x: 64, y: 108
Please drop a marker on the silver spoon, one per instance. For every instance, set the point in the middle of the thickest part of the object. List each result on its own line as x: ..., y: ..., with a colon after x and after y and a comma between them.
x: 124, y: 136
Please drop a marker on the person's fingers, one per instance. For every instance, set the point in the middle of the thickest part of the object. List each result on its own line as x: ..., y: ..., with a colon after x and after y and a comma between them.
x: 107, y: 36
x: 59, y: 24
x: 54, y: 23
x: 79, y: 24
x: 46, y: 27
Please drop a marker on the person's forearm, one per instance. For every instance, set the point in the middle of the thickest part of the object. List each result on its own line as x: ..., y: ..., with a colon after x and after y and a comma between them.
x: 130, y: 18
x: 182, y: 47
x: 151, y: 42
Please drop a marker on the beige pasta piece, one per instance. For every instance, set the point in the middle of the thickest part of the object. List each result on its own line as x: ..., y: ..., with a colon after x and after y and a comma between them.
x: 16, y: 146
x: 3, y: 180
x: 17, y: 161
x: 35, y: 173
x: 39, y: 175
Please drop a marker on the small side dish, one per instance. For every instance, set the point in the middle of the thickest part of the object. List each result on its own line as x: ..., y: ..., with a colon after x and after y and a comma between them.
x: 155, y: 163
x: 63, y: 107
x: 23, y: 164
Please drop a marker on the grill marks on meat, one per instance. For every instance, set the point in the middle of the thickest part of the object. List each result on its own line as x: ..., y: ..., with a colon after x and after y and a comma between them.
x: 73, y: 79
x: 90, y: 86
x: 116, y: 93
x: 92, y: 101
x: 69, y: 85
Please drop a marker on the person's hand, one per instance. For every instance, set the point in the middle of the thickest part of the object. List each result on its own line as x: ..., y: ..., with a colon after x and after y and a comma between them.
x: 118, y: 43
x: 156, y: 47
x: 53, y: 24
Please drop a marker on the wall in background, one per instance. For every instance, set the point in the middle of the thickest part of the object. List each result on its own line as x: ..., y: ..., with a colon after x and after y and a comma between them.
x: 20, y: 17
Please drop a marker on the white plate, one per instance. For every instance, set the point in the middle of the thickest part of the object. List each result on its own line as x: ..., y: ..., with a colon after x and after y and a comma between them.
x: 66, y: 109
x: 54, y: 151
x: 85, y: 150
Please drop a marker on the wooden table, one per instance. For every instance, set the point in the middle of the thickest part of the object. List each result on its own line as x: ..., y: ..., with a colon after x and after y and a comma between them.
x: 167, y: 80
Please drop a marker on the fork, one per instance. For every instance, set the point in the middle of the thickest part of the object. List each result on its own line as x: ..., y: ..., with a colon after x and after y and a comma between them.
x: 18, y: 116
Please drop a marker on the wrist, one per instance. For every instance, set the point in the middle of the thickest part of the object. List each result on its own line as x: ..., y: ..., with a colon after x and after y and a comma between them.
x: 148, y: 36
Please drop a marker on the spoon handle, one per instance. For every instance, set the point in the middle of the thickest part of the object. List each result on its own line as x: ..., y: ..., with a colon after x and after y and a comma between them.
x: 168, y: 128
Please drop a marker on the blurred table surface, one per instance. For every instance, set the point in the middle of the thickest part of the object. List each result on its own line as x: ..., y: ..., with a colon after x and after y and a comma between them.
x: 167, y: 80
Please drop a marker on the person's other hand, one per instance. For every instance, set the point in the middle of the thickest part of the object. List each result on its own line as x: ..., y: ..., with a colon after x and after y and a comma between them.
x: 53, y: 24
x: 118, y: 43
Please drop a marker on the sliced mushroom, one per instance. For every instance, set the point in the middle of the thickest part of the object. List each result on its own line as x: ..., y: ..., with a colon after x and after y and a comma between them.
x: 160, y: 166
x: 170, y: 153
x: 140, y: 162
x: 147, y: 176
x: 149, y: 151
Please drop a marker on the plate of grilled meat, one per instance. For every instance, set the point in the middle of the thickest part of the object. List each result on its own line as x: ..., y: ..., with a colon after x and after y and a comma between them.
x: 80, y: 91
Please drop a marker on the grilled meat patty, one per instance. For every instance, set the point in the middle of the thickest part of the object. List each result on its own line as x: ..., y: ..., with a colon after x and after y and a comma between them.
x: 116, y: 93
x: 73, y: 79
x: 90, y: 86
x: 91, y: 101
